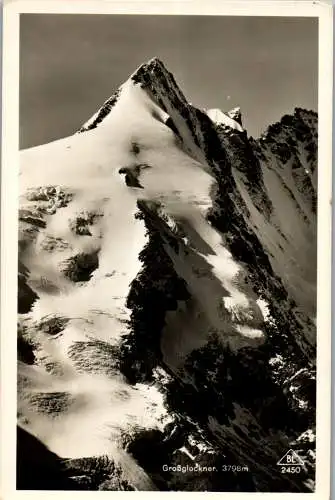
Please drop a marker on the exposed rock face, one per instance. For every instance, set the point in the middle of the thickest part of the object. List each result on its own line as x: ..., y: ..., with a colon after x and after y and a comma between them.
x: 167, y: 297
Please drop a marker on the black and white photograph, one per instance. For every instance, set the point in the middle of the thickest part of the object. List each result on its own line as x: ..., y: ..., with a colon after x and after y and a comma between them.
x: 167, y: 225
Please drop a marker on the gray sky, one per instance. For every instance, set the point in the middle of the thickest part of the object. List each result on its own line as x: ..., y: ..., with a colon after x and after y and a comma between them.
x: 71, y: 63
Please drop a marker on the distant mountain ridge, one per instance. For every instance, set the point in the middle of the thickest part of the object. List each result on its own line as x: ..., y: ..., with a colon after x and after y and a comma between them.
x: 167, y: 296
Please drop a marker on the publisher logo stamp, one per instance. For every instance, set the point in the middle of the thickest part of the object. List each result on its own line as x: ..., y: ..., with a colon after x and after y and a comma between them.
x: 290, y: 463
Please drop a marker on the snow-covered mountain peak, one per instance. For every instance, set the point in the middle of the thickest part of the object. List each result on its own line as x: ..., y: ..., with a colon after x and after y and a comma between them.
x: 236, y: 114
x: 231, y: 119
x: 153, y: 66
x: 151, y: 71
x: 166, y: 291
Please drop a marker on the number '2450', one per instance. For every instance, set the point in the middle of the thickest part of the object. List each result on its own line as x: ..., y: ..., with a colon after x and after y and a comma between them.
x: 291, y: 469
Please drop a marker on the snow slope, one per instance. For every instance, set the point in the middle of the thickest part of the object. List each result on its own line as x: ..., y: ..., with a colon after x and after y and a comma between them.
x: 133, y: 283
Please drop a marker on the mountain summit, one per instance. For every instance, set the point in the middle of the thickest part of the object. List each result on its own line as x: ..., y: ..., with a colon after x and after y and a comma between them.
x: 167, y: 298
